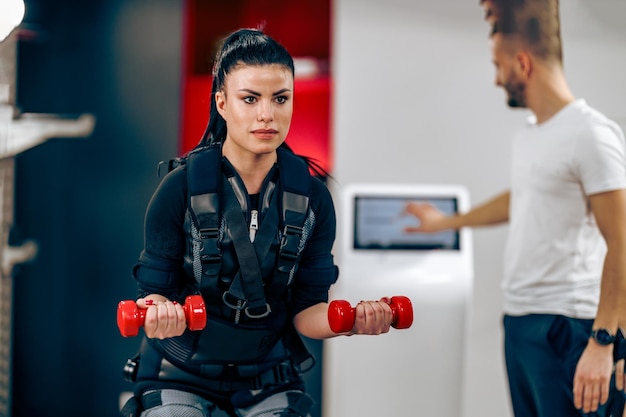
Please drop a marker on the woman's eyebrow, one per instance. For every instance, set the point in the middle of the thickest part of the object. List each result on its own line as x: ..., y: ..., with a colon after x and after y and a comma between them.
x: 256, y: 93
x: 284, y: 90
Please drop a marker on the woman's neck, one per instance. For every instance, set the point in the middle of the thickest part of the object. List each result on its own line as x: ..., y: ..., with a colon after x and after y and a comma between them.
x: 252, y: 168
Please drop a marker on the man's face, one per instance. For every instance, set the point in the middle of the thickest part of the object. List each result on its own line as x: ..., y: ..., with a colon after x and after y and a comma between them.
x: 508, y: 71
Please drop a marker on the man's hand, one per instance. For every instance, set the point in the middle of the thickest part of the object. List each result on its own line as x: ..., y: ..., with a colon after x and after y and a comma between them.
x: 429, y: 217
x: 593, y: 377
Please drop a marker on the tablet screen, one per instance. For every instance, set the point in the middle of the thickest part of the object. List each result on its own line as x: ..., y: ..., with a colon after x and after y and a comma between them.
x: 379, y: 223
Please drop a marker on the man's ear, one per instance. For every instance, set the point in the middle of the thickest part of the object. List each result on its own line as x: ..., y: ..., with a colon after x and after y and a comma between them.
x: 525, y: 63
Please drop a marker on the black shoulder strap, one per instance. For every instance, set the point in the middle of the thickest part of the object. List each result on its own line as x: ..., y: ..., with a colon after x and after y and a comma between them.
x: 203, y: 177
x: 295, y: 182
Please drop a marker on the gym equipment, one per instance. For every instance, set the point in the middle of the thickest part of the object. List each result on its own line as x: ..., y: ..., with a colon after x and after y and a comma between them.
x: 130, y: 317
x: 341, y: 314
x: 377, y: 256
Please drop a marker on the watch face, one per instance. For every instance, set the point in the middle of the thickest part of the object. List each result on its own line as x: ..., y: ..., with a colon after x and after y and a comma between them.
x: 602, y: 336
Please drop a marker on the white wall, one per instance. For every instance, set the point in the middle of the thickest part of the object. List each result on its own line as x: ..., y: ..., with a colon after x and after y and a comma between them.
x: 415, y: 102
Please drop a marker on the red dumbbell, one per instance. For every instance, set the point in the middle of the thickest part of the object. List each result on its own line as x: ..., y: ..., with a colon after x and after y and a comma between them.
x: 341, y: 314
x: 130, y: 317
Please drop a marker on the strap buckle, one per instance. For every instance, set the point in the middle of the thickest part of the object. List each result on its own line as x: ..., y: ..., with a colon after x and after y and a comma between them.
x: 241, y: 303
x: 276, y: 375
x: 290, y: 242
x: 209, y: 233
x: 209, y: 252
x: 266, y: 313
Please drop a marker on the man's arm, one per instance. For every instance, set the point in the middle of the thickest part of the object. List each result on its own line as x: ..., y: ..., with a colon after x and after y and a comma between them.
x: 610, y: 212
x: 593, y: 373
x: 492, y: 212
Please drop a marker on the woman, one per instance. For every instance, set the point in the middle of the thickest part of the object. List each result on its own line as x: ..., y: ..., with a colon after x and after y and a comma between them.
x: 242, y: 222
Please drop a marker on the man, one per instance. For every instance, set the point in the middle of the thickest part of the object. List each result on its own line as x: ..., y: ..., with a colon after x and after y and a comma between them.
x: 565, y: 259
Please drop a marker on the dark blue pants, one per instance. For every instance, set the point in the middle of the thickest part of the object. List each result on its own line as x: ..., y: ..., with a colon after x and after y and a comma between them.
x: 541, y: 352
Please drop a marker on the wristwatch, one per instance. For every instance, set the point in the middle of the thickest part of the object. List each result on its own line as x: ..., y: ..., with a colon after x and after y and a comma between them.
x: 602, y: 336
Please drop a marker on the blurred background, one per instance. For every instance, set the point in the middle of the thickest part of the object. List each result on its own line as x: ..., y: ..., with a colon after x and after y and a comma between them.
x: 82, y: 200
x: 396, y: 91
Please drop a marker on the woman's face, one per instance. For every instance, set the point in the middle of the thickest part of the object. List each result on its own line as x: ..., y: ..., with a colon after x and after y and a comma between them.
x: 257, y: 104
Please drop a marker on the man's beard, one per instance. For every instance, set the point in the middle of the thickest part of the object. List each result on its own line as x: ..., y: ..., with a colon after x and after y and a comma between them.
x: 516, y: 92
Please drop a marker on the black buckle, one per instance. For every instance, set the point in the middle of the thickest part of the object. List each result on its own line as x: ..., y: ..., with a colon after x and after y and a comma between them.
x: 209, y: 252
x: 231, y: 305
x: 130, y: 369
x: 209, y: 233
x: 210, y: 258
x: 289, y: 256
x: 290, y: 242
x: 276, y: 375
x: 266, y: 313
x: 291, y: 230
x: 310, y: 361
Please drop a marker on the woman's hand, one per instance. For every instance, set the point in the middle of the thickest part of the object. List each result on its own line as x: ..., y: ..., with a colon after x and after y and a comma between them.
x: 372, y: 317
x: 164, y: 318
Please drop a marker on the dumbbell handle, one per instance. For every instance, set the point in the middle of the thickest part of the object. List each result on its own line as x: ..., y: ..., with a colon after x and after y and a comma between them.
x: 130, y: 317
x: 341, y: 314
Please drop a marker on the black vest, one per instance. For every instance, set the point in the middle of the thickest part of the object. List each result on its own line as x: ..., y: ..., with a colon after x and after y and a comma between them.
x: 245, y: 285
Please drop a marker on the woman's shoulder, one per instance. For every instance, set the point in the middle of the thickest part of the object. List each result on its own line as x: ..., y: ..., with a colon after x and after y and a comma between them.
x: 174, y: 182
x: 320, y: 194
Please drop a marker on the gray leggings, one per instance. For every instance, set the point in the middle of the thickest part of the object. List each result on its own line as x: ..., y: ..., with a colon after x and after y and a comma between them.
x: 184, y: 404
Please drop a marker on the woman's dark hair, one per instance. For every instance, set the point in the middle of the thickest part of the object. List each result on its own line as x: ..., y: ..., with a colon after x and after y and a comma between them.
x: 245, y: 47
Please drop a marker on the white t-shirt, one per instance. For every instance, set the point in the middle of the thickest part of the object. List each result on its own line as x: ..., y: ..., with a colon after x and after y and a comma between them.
x: 555, y: 252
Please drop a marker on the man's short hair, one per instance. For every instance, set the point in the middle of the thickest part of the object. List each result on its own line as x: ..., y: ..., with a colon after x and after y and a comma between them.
x: 535, y: 23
